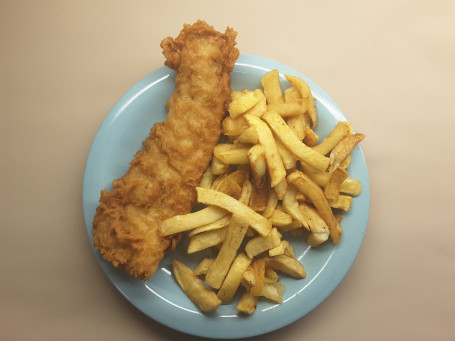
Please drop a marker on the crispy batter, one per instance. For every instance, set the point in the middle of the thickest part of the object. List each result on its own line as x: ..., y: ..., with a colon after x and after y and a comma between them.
x: 161, y: 180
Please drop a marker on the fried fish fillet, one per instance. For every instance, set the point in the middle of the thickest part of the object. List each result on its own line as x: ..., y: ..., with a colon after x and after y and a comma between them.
x: 161, y: 180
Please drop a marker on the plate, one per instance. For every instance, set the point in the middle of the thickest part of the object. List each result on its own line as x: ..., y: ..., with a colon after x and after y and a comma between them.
x: 117, y: 140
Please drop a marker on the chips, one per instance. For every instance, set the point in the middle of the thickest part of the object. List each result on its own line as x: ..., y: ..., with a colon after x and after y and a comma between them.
x: 219, y: 268
x: 228, y: 203
x: 194, y: 288
x: 270, y: 177
x: 275, y: 164
x: 297, y: 147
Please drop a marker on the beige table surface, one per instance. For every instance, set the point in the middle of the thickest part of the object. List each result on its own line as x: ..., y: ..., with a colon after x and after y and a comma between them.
x: 390, y: 66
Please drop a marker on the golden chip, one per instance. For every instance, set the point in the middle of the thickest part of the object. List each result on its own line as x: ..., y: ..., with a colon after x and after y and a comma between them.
x: 185, y: 222
x: 256, y: 221
x: 272, y: 87
x: 287, y: 137
x: 274, y: 163
x: 219, y: 268
x: 194, y: 288
x: 316, y: 195
x: 233, y: 278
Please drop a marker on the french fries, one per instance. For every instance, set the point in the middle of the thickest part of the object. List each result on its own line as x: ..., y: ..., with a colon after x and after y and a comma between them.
x: 287, y: 137
x: 332, y: 190
x: 231, y: 154
x: 218, y: 270
x: 257, y: 161
x: 341, y: 130
x: 180, y: 223
x: 260, y: 244
x: 245, y: 102
x: 194, y: 288
x: 286, y: 264
x: 207, y: 239
x: 226, y: 202
x: 233, y: 278
x: 343, y: 149
x: 319, y: 200
x: 275, y: 165
x: 272, y: 87
x: 305, y: 92
x: 270, y: 176
x: 247, y: 303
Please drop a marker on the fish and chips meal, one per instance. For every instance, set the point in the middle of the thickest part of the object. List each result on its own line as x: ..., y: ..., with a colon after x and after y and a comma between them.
x: 237, y: 171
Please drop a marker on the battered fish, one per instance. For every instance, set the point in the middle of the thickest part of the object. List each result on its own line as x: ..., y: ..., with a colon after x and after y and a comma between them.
x: 161, y: 180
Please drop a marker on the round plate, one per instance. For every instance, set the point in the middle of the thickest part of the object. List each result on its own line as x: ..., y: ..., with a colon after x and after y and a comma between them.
x: 117, y: 140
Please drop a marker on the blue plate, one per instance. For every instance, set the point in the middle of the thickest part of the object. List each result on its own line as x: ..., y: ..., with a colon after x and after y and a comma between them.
x: 117, y: 140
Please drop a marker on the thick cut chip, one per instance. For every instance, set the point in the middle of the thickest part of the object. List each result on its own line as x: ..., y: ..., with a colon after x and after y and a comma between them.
x: 254, y: 219
x: 280, y: 218
x: 310, y: 138
x: 346, y: 162
x: 218, y: 167
x: 289, y: 250
x: 305, y: 92
x: 207, y: 178
x: 256, y: 157
x: 289, y: 109
x: 275, y: 165
x: 349, y: 186
x: 272, y: 290
x: 248, y: 278
x: 341, y: 130
x: 259, y: 274
x: 217, y: 224
x: 289, y: 160
x: 194, y: 288
x: 299, y: 125
x: 271, y: 274
x: 247, y: 303
x: 230, y: 184
x: 259, y: 196
x: 233, y: 278
x: 203, y: 267
x: 246, y: 192
x: 245, y: 102
x: 277, y: 250
x: 287, y: 137
x: 291, y: 206
x: 231, y: 154
x: 234, y: 127
x: 343, y: 202
x: 185, y: 222
x: 204, y: 240
x: 293, y: 227
x: 319, y: 230
x: 218, y: 270
x: 287, y: 265
x: 332, y: 190
x: 260, y: 244
x: 272, y: 201
x: 248, y: 136
x: 281, y: 188
x: 291, y: 94
x: 317, y: 197
x: 259, y: 109
x: 343, y: 149
x: 272, y: 87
